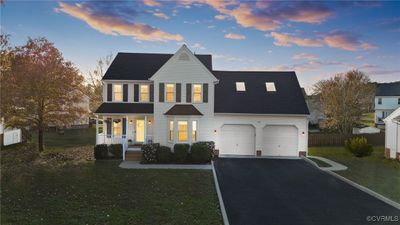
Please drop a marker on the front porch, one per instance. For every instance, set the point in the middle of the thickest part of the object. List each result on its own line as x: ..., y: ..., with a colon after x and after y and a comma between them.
x: 129, y: 130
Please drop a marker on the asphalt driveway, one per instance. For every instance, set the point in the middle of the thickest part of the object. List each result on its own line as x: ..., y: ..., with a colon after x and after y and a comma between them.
x: 285, y: 191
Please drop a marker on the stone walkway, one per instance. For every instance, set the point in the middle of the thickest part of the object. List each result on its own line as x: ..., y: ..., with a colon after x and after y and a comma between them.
x: 334, y: 166
x: 137, y: 165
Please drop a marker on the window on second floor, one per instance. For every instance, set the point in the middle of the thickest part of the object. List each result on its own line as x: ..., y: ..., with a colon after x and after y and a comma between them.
x: 197, y: 93
x: 379, y: 101
x: 117, y: 92
x: 144, y: 93
x: 170, y: 93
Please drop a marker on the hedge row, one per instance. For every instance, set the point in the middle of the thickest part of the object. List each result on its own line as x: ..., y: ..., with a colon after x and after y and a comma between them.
x: 199, y: 152
x: 103, y: 151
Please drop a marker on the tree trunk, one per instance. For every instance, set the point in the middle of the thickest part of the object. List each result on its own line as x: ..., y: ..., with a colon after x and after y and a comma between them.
x: 40, y: 139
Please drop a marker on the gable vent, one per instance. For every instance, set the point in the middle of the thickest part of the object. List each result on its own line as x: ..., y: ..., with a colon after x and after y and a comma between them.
x: 184, y: 57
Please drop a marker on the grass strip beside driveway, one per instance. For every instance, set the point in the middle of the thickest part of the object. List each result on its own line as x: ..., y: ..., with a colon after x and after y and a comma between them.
x: 374, y: 172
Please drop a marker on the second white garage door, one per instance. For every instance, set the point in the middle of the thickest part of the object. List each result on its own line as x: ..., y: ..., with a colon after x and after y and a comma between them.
x: 237, y: 140
x: 280, y: 141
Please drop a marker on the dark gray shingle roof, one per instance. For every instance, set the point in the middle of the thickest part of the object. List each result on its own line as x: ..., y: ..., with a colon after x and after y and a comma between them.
x: 388, y: 89
x: 183, y: 110
x: 288, y: 98
x: 141, y: 66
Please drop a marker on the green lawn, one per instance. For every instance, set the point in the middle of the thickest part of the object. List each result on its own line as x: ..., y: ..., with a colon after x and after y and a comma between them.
x: 102, y: 193
x: 375, y: 172
x: 71, y: 138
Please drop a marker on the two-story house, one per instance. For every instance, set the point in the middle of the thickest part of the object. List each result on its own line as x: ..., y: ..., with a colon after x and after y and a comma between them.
x: 179, y: 98
x: 387, y: 99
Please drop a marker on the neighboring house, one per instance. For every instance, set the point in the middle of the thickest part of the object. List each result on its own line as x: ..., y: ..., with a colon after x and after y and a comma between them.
x: 179, y: 98
x: 392, y: 135
x: 366, y: 130
x: 387, y: 99
x: 317, y: 115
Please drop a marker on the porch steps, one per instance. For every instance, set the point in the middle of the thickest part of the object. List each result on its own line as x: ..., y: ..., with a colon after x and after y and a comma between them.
x: 133, y: 155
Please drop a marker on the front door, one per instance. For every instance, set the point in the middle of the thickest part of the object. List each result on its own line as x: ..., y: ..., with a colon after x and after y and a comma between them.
x: 140, y: 131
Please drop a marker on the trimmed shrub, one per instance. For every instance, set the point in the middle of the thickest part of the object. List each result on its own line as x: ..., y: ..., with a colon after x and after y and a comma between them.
x: 101, y: 151
x: 201, y: 152
x: 164, y: 154
x: 181, y: 153
x: 116, y: 150
x: 359, y: 146
x: 149, y: 153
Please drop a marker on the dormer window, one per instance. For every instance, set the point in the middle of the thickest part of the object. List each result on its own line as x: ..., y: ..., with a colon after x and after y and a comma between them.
x: 117, y: 92
x: 240, y: 86
x: 270, y: 86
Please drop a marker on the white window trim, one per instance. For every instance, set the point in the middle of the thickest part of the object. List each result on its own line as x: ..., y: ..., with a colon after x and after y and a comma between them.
x: 238, y: 88
x: 140, y: 92
x: 165, y: 93
x: 201, y: 94
x: 113, y: 92
x: 189, y: 120
x: 273, y: 86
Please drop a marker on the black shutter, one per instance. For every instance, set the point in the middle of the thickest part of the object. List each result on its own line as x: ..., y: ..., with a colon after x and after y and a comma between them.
x: 136, y: 92
x: 108, y: 124
x: 151, y: 92
x: 178, y: 92
x: 109, y: 92
x: 188, y: 92
x: 205, y: 92
x: 161, y: 92
x: 125, y: 93
x: 124, y: 126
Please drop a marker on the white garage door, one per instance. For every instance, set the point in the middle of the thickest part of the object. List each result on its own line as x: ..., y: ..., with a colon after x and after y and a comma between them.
x: 280, y: 141
x: 237, y: 140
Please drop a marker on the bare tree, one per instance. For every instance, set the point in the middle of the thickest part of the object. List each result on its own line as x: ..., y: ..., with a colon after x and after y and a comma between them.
x: 345, y: 98
x: 95, y: 85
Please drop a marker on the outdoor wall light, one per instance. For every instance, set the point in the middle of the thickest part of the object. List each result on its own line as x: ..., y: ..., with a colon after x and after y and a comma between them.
x: 130, y: 121
x: 215, y: 131
x: 302, y: 133
x: 149, y: 122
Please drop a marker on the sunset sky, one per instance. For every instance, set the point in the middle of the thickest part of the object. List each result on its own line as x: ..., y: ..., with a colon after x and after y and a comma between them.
x: 315, y: 39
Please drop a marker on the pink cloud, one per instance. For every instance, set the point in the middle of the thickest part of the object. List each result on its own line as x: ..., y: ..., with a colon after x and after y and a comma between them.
x: 161, y: 15
x: 336, y: 39
x: 246, y: 18
x: 151, y: 3
x: 287, y: 40
x: 235, y: 36
x: 112, y: 25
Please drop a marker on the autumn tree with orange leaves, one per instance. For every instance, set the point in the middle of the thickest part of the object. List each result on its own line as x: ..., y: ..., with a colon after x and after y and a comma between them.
x: 40, y: 88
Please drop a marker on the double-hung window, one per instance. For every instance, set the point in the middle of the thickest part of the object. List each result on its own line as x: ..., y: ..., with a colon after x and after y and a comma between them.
x: 144, y: 93
x: 197, y: 93
x: 170, y: 93
x: 117, y: 92
x: 379, y: 101
x: 182, y: 131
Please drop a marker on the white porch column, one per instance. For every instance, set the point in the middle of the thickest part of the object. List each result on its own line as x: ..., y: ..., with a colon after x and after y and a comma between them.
x: 126, y: 128
x: 145, y: 129
x: 97, y: 130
